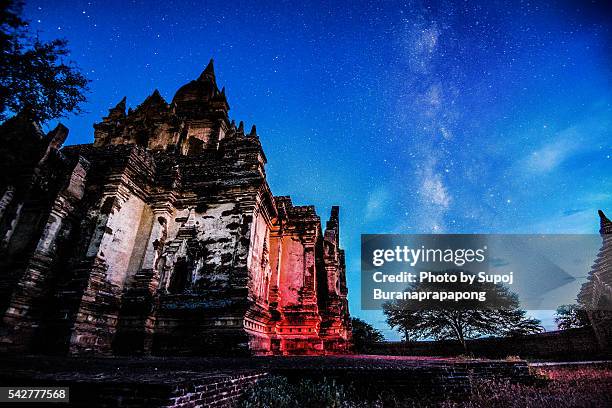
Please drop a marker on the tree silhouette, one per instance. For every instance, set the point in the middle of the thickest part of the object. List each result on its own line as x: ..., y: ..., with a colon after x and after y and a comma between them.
x: 500, y: 315
x: 35, y: 78
x: 571, y: 316
x: 364, y: 333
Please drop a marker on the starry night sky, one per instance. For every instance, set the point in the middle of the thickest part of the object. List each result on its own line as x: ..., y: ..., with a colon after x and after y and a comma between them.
x: 444, y: 116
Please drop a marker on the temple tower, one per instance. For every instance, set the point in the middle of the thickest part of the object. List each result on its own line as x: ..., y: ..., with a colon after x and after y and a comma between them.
x: 596, y: 295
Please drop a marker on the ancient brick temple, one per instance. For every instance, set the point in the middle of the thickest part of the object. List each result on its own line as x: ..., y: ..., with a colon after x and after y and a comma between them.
x: 162, y: 237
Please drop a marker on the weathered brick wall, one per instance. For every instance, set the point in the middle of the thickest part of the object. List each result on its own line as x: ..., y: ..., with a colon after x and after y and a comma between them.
x: 226, y: 392
x: 570, y: 344
x: 420, y: 378
x: 221, y: 382
x: 221, y: 391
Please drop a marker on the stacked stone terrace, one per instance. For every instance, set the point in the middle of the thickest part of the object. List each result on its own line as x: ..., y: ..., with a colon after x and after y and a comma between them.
x: 162, y: 237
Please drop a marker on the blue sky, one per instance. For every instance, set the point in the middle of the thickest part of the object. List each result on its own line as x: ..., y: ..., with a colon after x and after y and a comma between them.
x: 457, y: 117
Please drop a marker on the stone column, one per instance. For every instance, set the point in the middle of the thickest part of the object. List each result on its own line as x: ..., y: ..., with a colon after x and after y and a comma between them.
x: 157, y: 237
x: 95, y: 325
x: 138, y: 317
x: 276, y: 246
x: 22, y: 316
x: 11, y: 227
x: 6, y: 199
x: 309, y: 289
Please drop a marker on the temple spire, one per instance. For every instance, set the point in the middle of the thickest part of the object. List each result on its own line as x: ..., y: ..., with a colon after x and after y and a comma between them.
x: 253, y: 131
x: 221, y: 96
x: 209, y: 72
x: 120, y: 107
x: 154, y: 101
x: 241, y: 127
x: 605, y: 225
x: 118, y: 111
x: 334, y: 222
x: 154, y: 98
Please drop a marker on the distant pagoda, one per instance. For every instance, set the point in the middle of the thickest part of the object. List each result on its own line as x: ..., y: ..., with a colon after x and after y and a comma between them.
x: 596, y: 294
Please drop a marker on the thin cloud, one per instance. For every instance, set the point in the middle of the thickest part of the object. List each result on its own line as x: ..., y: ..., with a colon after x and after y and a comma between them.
x: 582, y: 222
x: 569, y: 142
x: 552, y: 155
x: 573, y: 211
